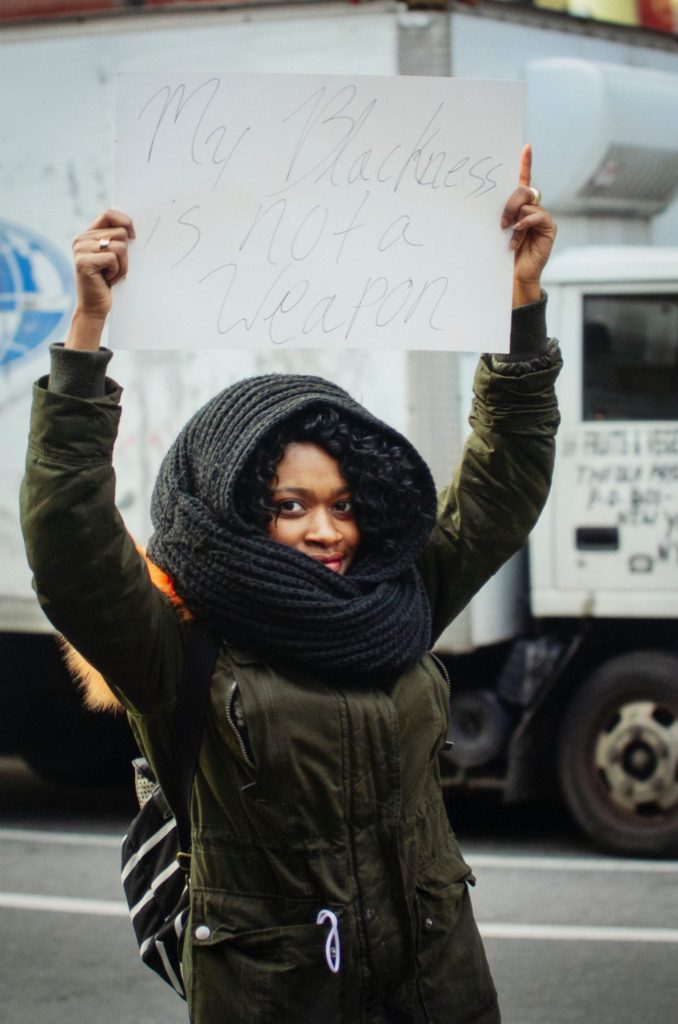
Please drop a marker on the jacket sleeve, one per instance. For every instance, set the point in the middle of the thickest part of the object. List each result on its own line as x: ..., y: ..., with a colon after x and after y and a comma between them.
x: 91, y: 582
x: 501, y: 482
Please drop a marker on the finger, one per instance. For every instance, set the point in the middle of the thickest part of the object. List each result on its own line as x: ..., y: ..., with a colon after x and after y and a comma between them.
x: 115, y: 245
x: 114, y: 219
x: 537, y: 218
x: 117, y: 268
x: 91, y: 260
x: 120, y: 273
x: 519, y: 199
x: 114, y: 265
x: 110, y: 234
x: 101, y: 241
x: 525, y: 169
x: 92, y: 265
x: 123, y: 263
x: 89, y: 241
x: 539, y: 221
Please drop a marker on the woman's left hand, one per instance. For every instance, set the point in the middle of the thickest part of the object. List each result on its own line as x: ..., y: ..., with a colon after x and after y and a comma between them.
x: 534, y: 232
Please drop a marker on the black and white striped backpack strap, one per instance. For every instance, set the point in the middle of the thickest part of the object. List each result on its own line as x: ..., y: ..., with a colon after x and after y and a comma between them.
x: 156, y: 849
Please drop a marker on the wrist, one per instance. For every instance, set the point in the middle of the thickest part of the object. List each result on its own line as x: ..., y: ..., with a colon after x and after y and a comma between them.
x: 85, y: 331
x: 525, y: 292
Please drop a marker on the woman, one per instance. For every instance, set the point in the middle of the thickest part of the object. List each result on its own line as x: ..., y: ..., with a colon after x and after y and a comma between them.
x: 306, y: 532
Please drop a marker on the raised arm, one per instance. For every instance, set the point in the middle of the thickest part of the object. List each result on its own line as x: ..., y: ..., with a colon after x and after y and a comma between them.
x: 100, y: 256
x: 91, y: 582
x: 533, y: 234
x: 503, y: 477
x: 78, y: 367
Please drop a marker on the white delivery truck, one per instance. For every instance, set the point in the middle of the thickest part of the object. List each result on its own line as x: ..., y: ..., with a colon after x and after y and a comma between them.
x: 565, y: 667
x: 577, y: 684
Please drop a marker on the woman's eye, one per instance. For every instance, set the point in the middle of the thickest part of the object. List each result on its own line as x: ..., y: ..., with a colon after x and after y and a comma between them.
x: 344, y: 507
x: 289, y: 506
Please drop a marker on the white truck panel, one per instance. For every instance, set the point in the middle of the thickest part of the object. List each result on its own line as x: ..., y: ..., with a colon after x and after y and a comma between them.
x: 605, y: 604
x: 506, y: 49
x: 56, y: 149
x: 607, y: 542
x: 56, y: 159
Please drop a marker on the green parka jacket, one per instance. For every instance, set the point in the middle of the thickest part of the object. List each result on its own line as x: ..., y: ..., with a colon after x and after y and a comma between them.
x: 331, y: 800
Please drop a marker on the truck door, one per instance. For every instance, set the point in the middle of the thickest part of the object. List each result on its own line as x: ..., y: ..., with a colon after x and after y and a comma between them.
x: 615, y: 498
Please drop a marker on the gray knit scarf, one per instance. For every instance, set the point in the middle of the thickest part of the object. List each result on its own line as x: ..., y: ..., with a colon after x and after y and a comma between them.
x: 367, y: 625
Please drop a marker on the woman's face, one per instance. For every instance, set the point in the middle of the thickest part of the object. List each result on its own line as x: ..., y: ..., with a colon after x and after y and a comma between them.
x: 313, y: 508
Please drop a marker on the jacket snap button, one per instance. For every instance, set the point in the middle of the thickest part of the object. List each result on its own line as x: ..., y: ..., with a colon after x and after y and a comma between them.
x: 428, y: 923
x: 202, y: 932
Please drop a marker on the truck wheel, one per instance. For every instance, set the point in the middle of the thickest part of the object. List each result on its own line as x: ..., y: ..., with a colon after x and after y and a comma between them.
x: 481, y: 726
x: 618, y: 754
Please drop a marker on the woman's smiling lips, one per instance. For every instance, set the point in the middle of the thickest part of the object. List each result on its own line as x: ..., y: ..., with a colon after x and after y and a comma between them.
x: 333, y: 562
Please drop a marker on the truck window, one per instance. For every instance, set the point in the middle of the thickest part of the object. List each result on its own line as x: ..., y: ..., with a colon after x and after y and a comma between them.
x: 630, y: 357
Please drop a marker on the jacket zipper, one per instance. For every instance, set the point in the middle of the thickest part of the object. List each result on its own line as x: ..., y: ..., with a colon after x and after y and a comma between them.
x: 446, y: 676
x: 449, y: 742
x: 231, y: 721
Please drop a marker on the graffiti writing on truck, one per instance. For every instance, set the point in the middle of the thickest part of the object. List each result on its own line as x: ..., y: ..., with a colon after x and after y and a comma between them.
x: 628, y: 478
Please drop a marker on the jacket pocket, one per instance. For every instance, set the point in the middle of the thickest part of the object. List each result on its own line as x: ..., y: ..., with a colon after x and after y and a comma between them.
x: 262, y: 959
x: 454, y: 978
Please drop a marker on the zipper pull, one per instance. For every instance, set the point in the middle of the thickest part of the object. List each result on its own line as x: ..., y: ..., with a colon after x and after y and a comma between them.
x: 332, y: 944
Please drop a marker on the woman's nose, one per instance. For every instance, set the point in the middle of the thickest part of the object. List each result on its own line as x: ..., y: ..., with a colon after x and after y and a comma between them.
x: 322, y: 528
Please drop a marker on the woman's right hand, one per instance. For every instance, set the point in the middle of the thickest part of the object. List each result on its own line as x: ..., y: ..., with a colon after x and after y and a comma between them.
x: 100, y: 255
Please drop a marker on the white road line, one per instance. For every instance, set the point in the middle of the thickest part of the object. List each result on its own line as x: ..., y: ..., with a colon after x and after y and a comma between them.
x: 574, y: 863
x: 26, y: 835
x: 63, y: 904
x: 575, y: 933
x: 488, y: 929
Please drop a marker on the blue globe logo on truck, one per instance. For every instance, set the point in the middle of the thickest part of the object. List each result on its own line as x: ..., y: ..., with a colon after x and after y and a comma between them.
x: 36, y: 291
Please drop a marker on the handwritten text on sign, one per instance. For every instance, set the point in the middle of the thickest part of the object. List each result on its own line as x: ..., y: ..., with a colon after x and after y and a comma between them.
x: 314, y: 211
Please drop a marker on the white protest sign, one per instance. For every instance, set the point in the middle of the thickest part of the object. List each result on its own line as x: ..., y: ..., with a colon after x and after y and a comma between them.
x: 315, y: 211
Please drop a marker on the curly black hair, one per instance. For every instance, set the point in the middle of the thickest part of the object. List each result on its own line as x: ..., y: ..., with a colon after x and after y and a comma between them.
x: 387, y: 496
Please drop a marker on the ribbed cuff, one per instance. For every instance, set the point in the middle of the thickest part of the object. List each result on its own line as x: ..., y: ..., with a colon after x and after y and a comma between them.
x: 78, y: 373
x: 528, y: 331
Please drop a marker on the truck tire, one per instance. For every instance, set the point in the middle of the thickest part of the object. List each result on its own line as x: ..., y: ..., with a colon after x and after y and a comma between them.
x: 618, y: 754
x: 481, y: 726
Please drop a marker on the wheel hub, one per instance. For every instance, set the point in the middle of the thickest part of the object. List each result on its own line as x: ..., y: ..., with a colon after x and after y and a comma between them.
x: 639, y: 761
x: 636, y: 754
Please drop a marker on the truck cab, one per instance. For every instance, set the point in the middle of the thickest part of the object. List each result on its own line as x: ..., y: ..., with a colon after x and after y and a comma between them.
x: 604, y: 558
x: 584, y: 696
x: 607, y: 545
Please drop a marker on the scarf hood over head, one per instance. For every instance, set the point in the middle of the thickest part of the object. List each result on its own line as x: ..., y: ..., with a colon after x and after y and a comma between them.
x: 261, y: 595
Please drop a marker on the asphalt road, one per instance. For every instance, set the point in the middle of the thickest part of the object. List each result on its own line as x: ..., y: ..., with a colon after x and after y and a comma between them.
x: 572, y: 936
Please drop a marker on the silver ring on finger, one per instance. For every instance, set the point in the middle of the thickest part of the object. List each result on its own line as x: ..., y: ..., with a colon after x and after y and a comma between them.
x: 536, y: 196
x: 104, y: 243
